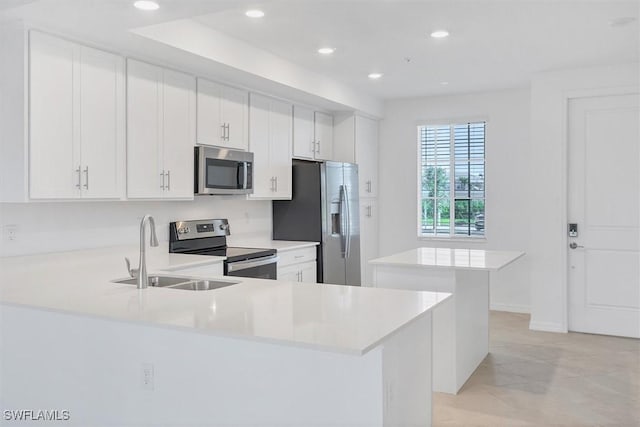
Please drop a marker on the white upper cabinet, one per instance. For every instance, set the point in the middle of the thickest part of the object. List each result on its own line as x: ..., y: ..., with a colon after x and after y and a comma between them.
x: 323, y: 128
x: 304, y: 145
x: 222, y: 115
x: 366, y: 147
x: 76, y: 121
x: 312, y: 134
x: 270, y: 127
x: 161, y: 132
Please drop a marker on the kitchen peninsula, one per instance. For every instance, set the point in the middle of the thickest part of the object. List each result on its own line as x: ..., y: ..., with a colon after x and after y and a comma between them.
x: 259, y: 352
x: 461, y: 325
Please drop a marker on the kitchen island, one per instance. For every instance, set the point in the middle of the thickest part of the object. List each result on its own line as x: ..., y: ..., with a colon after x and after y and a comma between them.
x: 460, y: 325
x: 258, y: 352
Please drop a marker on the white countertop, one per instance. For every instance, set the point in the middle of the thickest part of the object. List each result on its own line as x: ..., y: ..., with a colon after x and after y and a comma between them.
x: 467, y: 259
x: 279, y: 245
x: 334, y: 318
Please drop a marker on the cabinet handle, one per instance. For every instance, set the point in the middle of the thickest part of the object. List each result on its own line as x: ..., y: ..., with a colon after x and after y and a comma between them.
x: 313, y: 146
x: 79, y: 184
x: 298, y: 256
x: 369, y: 186
x: 276, y: 184
x: 168, y: 180
x: 273, y: 179
x: 318, y: 144
x: 228, y: 132
x: 162, y: 175
x: 299, y: 276
x: 223, y: 127
x: 369, y: 211
x: 86, y: 177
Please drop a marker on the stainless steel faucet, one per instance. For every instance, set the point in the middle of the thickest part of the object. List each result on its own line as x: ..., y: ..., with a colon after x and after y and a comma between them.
x: 142, y: 268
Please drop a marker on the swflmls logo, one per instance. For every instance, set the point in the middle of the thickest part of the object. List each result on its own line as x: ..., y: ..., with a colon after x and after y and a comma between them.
x: 37, y: 415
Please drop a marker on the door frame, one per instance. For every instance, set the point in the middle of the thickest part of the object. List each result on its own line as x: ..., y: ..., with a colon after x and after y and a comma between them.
x: 568, y: 96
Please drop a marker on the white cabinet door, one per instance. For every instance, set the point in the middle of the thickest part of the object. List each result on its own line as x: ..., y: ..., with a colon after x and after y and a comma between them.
x: 53, y: 157
x: 222, y: 115
x: 303, y: 142
x: 210, y: 127
x: 366, y: 141
x: 289, y: 273
x: 368, y: 238
x: 145, y: 174
x: 323, y: 136
x: 101, y: 123
x: 178, y: 134
x: 308, y: 272
x: 263, y: 179
x: 234, y: 114
x: 280, y: 126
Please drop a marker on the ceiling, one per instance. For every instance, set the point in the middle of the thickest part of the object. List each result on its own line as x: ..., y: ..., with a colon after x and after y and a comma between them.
x: 494, y: 44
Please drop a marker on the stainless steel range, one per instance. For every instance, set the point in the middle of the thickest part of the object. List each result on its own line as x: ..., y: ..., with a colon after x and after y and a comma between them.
x: 209, y: 237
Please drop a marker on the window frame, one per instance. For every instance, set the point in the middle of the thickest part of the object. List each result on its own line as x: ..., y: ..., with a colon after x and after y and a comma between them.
x: 451, y: 237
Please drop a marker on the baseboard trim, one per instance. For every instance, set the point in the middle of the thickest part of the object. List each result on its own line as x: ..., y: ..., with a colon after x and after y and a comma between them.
x: 511, y: 308
x: 547, y: 327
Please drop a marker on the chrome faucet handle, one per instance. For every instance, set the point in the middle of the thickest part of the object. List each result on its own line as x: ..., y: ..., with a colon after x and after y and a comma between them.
x: 133, y: 272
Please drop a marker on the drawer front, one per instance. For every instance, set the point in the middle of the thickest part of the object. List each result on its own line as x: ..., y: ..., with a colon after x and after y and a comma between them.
x: 296, y: 256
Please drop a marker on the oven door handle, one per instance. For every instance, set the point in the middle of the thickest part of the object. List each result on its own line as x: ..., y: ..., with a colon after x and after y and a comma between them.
x: 243, y: 265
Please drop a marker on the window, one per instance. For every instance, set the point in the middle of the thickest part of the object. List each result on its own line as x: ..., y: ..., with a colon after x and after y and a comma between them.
x: 451, y: 180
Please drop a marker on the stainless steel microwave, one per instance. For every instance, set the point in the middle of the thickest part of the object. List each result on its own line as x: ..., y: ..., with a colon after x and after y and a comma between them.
x: 223, y: 171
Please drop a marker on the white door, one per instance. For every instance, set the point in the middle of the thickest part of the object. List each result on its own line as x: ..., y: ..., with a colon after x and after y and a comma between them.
x: 324, y: 136
x: 280, y: 125
x: 604, y: 200
x: 368, y: 238
x: 263, y: 178
x: 367, y: 155
x: 210, y: 127
x: 101, y: 123
x: 145, y: 177
x: 235, y: 104
x: 303, y: 143
x: 54, y: 155
x: 178, y: 135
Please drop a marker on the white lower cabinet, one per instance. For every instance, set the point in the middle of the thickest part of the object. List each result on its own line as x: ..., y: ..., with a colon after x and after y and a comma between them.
x: 368, y: 238
x: 298, y: 265
x: 161, y: 132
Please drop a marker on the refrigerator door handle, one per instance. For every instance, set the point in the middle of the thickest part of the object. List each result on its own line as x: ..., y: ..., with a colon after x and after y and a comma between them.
x: 346, y: 202
x: 343, y: 228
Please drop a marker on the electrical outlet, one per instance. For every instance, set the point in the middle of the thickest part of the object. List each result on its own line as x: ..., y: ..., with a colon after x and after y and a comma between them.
x: 146, y: 378
x: 10, y: 232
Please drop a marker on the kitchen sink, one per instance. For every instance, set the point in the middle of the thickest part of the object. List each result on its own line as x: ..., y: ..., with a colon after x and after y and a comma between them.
x: 173, y: 282
x: 203, y: 285
x: 157, y: 281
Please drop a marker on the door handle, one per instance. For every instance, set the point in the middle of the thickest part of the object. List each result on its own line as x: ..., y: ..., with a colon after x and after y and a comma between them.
x: 86, y: 177
x: 574, y: 245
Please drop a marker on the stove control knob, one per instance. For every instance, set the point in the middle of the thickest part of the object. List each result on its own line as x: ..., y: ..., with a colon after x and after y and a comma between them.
x: 183, y: 230
x: 224, y: 226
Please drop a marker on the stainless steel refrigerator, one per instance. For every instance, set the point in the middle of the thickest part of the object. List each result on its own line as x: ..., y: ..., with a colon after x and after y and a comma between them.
x: 324, y: 209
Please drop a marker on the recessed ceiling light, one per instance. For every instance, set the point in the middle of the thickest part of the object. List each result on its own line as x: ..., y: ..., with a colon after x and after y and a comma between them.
x: 440, y: 34
x: 146, y: 5
x: 444, y: 83
x: 375, y: 76
x: 619, y: 22
x: 326, y: 50
x: 254, y: 13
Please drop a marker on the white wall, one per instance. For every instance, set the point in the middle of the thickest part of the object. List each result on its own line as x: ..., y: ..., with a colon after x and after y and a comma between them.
x: 548, y: 253
x: 508, y: 212
x: 47, y: 227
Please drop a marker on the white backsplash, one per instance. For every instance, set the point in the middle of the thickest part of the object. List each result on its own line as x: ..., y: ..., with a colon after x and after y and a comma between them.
x: 59, y: 226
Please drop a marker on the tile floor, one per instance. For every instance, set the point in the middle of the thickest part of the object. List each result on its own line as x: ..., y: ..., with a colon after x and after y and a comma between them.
x: 546, y: 379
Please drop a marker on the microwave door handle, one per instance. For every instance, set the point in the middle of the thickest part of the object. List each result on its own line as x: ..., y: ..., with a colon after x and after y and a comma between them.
x: 246, y: 175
